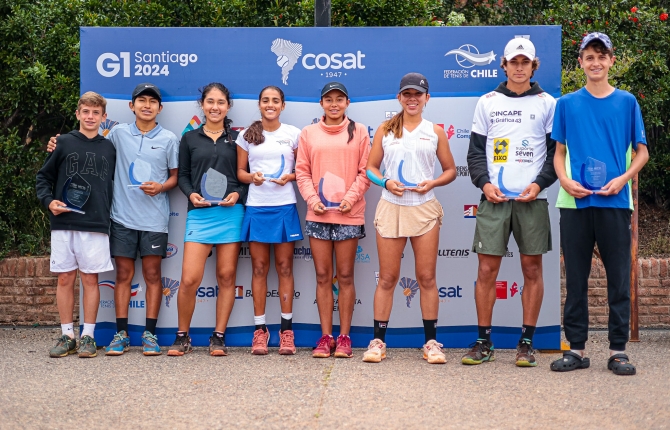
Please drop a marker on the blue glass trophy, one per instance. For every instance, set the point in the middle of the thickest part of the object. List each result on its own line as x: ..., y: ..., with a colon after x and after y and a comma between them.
x: 593, y: 174
x: 138, y: 173
x: 278, y: 174
x: 503, y: 189
x: 76, y: 192
x: 213, y: 186
x: 331, y: 191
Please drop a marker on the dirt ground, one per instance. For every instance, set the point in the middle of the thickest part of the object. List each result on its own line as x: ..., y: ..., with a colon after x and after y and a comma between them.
x: 654, y: 231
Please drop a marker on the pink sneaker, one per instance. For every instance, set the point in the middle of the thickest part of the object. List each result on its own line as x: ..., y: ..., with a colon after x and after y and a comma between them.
x: 259, y: 346
x: 343, y: 347
x: 286, y: 342
x: 324, y: 347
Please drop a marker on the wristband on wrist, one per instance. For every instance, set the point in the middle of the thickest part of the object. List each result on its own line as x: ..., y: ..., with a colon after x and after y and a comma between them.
x: 384, y: 183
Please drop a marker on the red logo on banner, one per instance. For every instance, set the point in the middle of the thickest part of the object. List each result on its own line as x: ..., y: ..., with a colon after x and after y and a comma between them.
x: 501, y: 289
x: 513, y: 289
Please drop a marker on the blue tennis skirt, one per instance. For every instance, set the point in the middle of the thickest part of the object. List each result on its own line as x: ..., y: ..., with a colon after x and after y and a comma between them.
x: 271, y: 224
x: 214, y: 225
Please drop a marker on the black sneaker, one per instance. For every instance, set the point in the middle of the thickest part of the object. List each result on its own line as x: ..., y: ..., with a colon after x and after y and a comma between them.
x: 181, y: 346
x: 482, y: 350
x: 217, y: 347
x: 525, y: 354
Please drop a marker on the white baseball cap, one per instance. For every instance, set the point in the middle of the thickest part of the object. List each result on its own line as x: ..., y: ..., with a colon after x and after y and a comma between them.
x: 520, y: 46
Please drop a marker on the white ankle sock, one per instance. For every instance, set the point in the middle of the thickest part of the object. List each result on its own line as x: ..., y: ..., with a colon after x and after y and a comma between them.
x: 579, y: 352
x: 287, y: 316
x: 68, y: 329
x: 612, y: 352
x: 258, y: 320
x: 88, y: 330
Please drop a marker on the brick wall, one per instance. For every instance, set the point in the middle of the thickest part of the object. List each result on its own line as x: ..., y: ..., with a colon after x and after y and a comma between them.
x: 28, y: 293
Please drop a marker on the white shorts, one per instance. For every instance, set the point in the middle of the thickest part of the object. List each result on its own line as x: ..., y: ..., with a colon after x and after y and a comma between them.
x: 83, y: 250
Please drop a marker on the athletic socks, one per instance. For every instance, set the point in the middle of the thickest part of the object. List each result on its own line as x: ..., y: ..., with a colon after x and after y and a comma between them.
x: 68, y: 329
x: 259, y: 321
x: 150, y: 325
x: 218, y: 334
x: 122, y: 324
x: 430, y: 329
x: 527, y: 332
x: 286, y: 322
x: 484, y: 332
x: 89, y: 329
x: 380, y: 330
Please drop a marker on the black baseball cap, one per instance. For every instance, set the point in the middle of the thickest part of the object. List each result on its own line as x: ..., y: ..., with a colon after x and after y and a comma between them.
x: 330, y: 86
x: 414, y: 81
x: 147, y: 88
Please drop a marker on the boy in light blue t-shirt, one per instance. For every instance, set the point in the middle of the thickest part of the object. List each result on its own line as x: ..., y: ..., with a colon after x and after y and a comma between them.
x: 596, y: 128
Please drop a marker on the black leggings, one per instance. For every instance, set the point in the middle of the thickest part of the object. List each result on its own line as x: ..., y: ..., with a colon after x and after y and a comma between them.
x: 580, y: 230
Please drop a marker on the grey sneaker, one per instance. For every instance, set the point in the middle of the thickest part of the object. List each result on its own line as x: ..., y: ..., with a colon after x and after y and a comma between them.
x: 482, y: 350
x: 87, y: 347
x: 181, y: 346
x: 64, y: 347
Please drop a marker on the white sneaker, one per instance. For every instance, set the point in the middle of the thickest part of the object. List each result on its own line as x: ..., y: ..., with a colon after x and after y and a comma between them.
x: 376, y: 351
x: 432, y: 352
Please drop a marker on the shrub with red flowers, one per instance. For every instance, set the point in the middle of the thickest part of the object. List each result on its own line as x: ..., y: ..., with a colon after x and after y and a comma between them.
x: 640, y: 32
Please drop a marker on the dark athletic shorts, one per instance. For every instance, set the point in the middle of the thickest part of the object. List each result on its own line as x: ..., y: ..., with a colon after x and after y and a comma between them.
x: 529, y: 222
x: 126, y: 242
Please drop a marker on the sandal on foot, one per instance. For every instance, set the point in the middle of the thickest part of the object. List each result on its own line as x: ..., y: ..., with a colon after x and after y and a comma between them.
x: 620, y: 365
x: 570, y: 361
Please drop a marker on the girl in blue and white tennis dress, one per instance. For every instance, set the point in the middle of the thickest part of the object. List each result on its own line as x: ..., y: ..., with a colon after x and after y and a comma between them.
x: 269, y: 147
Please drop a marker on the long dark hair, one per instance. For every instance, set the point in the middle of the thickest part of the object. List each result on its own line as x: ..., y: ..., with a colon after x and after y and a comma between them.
x: 226, y: 121
x: 254, y: 134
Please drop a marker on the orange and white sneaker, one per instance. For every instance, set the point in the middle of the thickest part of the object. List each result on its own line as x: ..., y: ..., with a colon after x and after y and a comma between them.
x: 259, y: 345
x: 376, y: 351
x: 286, y: 342
x: 432, y: 352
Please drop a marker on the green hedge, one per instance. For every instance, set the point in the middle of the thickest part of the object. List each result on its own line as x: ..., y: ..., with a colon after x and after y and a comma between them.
x: 39, y: 77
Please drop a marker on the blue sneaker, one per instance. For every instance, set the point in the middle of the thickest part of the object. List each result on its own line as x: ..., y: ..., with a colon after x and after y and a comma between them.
x: 119, y: 345
x: 150, y: 344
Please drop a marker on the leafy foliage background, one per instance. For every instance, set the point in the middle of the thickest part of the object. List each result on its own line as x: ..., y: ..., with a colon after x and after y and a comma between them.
x: 39, y: 73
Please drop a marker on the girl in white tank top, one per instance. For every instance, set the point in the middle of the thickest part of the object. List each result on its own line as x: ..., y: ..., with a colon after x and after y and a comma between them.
x: 408, y: 145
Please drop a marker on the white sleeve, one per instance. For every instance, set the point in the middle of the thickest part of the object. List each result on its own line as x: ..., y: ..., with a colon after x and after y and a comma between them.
x: 549, y: 118
x: 295, y: 138
x: 241, y: 141
x: 480, y: 120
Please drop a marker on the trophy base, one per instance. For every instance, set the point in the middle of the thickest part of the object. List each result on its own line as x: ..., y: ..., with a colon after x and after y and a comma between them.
x: 411, y: 188
x: 214, y: 202
x: 134, y: 186
x: 77, y: 211
x: 332, y: 208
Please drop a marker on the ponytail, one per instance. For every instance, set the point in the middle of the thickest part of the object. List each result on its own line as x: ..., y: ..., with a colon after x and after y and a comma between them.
x: 254, y: 134
x: 226, y: 125
x: 350, y: 129
x: 394, y: 125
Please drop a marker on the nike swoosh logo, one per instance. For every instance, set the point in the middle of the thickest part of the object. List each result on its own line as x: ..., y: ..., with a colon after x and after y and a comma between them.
x: 155, y: 246
x: 155, y: 147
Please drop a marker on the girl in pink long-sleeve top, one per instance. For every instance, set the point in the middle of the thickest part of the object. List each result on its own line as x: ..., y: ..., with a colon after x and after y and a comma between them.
x: 331, y: 176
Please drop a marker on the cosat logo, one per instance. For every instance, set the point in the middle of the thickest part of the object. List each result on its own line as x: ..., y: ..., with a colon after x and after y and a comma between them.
x: 467, y: 56
x: 171, y: 250
x: 106, y: 126
x: 287, y: 54
x: 193, y: 124
x: 170, y: 287
x: 446, y: 293
x: 469, y: 211
x: 203, y: 294
x: 409, y: 289
x: 362, y: 257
